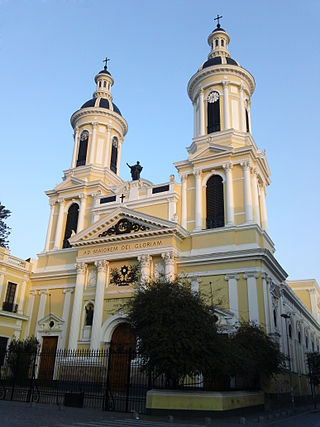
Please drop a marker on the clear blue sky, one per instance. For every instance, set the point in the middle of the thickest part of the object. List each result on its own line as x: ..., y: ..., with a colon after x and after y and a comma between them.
x: 51, y: 50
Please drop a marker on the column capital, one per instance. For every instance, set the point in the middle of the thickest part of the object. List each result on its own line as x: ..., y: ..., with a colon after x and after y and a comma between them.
x: 52, y: 202
x: 197, y: 172
x: 101, y: 265
x: 249, y: 274
x: 144, y: 259
x: 43, y: 292
x: 67, y: 291
x: 82, y: 196
x: 94, y: 124
x: 246, y: 164
x: 241, y: 88
x: 183, y: 176
x: 231, y: 276
x: 225, y: 84
x: 194, y: 280
x: 81, y: 267
x: 227, y: 166
x: 60, y: 200
x: 33, y: 293
x: 168, y: 257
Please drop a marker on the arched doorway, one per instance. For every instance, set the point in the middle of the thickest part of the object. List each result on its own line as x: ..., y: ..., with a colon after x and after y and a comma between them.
x: 121, y: 352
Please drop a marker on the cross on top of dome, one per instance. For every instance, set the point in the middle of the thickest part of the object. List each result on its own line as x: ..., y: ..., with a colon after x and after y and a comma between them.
x: 218, y: 19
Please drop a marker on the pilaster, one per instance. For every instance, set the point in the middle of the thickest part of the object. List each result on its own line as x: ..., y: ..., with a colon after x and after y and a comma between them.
x: 169, y: 263
x: 233, y: 293
x: 82, y: 210
x: 247, y: 191
x: 226, y: 105
x: 252, y: 296
x: 32, y: 295
x: 144, y: 261
x: 229, y: 194
x: 98, y: 305
x: 57, y: 240
x: 77, y: 303
x: 183, y: 178
x: 198, y: 204
x: 49, y: 231
x: 194, y: 282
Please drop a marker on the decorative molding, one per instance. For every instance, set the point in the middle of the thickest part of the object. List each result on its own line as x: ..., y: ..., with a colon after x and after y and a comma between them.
x: 231, y: 276
x: 124, y: 226
x: 81, y: 267
x: 101, y: 265
x: 250, y: 274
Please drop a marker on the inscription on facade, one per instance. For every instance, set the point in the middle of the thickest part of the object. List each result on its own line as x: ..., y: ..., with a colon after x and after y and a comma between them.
x: 121, y: 247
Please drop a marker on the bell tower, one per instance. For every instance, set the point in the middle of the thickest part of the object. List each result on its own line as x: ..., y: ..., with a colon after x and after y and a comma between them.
x: 221, y: 90
x: 99, y: 131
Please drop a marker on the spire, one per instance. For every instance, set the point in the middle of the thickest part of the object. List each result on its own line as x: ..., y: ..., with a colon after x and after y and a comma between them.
x: 218, y: 40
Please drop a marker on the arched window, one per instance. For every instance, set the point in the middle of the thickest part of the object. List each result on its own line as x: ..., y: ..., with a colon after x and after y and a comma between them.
x: 114, y: 154
x: 290, y: 331
x: 275, y: 318
x: 299, y: 337
x: 215, y: 204
x: 82, y: 153
x: 213, y: 101
x: 71, y: 224
x: 247, y: 121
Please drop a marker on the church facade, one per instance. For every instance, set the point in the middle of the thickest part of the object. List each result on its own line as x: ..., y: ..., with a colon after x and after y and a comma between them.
x: 105, y: 234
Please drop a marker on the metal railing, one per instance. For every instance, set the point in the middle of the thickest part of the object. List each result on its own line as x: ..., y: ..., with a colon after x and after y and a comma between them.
x: 9, y: 306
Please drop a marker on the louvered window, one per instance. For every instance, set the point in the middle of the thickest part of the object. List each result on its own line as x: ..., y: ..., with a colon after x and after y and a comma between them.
x: 71, y: 224
x: 213, y: 110
x: 215, y: 203
x: 114, y: 154
x: 83, y: 148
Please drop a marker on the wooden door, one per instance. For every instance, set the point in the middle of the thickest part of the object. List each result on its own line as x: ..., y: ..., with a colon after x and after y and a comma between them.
x: 122, y: 348
x: 47, y: 358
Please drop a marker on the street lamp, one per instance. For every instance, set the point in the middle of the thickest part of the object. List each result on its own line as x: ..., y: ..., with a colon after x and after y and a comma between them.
x: 286, y: 317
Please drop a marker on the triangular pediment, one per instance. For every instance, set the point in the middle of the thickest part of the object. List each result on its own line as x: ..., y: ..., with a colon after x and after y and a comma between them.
x: 52, y: 322
x: 125, y: 223
x: 69, y: 182
x: 209, y: 149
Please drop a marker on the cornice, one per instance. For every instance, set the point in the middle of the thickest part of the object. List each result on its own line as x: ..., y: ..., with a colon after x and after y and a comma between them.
x: 223, y: 69
x: 13, y: 315
x: 96, y: 111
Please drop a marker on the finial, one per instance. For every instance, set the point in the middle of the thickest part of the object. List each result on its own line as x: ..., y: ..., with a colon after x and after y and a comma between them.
x: 217, y: 19
x: 106, y: 63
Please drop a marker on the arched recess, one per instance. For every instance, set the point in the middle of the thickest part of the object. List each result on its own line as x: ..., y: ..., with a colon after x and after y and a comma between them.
x: 71, y: 224
x: 114, y: 154
x: 213, y: 112
x: 83, y: 148
x: 215, y: 202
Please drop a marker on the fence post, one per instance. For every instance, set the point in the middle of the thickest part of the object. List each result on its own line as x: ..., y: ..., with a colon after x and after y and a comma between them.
x: 128, y: 379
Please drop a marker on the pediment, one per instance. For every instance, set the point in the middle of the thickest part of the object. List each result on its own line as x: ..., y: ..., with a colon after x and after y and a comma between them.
x: 69, y: 182
x: 209, y: 150
x: 124, y: 223
x: 51, y: 322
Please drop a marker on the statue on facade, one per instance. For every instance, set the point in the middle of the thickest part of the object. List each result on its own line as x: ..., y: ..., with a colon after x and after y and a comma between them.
x: 135, y: 171
x: 89, y: 315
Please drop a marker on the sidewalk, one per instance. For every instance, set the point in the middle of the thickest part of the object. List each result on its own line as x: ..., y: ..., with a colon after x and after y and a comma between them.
x: 20, y: 414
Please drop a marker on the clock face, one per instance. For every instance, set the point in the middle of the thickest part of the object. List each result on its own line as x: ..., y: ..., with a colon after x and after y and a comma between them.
x: 84, y: 135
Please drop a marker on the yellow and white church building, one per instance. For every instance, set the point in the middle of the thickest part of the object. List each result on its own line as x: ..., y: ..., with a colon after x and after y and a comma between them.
x: 210, y: 226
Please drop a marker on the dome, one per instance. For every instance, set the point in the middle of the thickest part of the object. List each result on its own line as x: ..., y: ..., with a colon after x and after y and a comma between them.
x: 104, y: 72
x: 101, y: 103
x: 219, y: 29
x: 217, y: 60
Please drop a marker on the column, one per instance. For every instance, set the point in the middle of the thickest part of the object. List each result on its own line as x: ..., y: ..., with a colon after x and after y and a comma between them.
x: 42, y: 305
x: 201, y: 113
x: 229, y: 194
x: 168, y: 258
x: 183, y: 178
x: 77, y: 304
x: 47, y: 245
x: 144, y: 267
x: 198, y: 204
x: 242, y: 115
x: 194, y: 282
x: 266, y: 300
x: 32, y: 295
x: 82, y: 210
x: 65, y: 315
x: 98, y: 305
x: 264, y: 217
x: 57, y: 240
x: 226, y: 105
x: 92, y: 144
x: 107, y: 149
x: 256, y: 208
x: 247, y: 191
x: 314, y: 310
x: 233, y: 294
x: 22, y: 294
x: 252, y: 296
x: 96, y: 204
x: 75, y: 148
x: 1, y: 284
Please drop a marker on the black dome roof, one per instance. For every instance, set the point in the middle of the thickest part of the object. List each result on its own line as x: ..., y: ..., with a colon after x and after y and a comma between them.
x: 103, y: 103
x: 104, y: 72
x: 219, y: 29
x: 217, y: 60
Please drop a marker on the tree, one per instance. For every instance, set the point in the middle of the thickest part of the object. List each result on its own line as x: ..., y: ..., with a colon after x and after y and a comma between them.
x: 21, y: 355
x: 4, y: 229
x: 176, y: 331
x: 256, y: 355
